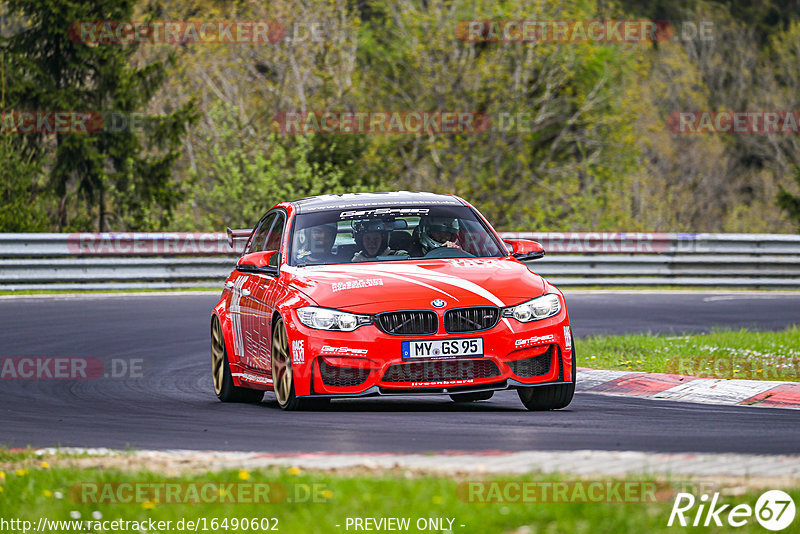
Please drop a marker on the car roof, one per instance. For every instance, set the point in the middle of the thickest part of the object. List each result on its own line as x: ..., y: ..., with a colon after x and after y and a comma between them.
x: 374, y: 200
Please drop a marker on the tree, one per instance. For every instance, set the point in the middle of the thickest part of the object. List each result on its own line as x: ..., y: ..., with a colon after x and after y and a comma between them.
x: 240, y: 184
x: 119, y: 177
x: 791, y: 203
x: 24, y: 202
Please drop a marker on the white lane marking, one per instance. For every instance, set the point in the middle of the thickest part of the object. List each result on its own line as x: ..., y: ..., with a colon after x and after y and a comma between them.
x: 717, y: 298
x: 589, y: 378
x: 717, y: 391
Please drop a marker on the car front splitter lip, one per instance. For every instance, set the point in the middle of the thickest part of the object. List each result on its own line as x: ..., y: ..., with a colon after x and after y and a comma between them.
x: 377, y: 391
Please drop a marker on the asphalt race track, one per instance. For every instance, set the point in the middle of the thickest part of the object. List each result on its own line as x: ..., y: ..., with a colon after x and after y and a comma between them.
x: 173, y: 406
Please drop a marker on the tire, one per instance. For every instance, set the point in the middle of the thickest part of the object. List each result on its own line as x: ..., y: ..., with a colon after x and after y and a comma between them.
x: 221, y: 371
x: 283, y: 377
x: 553, y: 397
x: 472, y: 397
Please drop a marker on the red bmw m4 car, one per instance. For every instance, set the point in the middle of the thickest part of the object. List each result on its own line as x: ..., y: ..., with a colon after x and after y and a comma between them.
x: 400, y: 293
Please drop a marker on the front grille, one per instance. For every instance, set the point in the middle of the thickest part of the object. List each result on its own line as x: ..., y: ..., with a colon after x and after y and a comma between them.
x: 335, y: 376
x: 536, y: 366
x: 462, y: 320
x: 435, y: 370
x: 405, y: 323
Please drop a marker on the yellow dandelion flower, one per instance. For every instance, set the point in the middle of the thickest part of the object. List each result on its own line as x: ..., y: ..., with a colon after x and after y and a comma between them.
x: 593, y: 358
x: 639, y: 361
x: 2, y: 475
x: 327, y: 494
x: 48, y: 493
x: 21, y: 472
x: 294, y: 470
x: 45, y: 465
x: 147, y: 505
x: 244, y: 475
x: 760, y: 371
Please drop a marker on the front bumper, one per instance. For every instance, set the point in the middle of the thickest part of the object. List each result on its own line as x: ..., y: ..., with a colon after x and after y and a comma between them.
x: 368, y: 361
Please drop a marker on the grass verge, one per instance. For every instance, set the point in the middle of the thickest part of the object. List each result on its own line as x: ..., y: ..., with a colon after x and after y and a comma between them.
x: 322, y: 501
x: 720, y: 354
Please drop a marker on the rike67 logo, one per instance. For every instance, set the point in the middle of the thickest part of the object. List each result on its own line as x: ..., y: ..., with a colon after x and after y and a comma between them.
x: 774, y: 510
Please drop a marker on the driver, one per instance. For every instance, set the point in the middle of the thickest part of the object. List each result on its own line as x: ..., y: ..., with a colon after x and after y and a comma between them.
x: 372, y: 238
x: 435, y: 232
x: 319, y: 241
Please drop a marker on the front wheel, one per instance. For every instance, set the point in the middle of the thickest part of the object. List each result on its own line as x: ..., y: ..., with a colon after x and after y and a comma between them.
x: 553, y: 397
x: 283, y: 375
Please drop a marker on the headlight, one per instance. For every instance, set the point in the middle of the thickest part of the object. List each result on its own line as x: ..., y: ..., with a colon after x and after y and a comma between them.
x: 328, y: 319
x: 534, y: 310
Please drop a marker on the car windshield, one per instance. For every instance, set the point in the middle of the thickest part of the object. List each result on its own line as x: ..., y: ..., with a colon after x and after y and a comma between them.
x: 390, y: 234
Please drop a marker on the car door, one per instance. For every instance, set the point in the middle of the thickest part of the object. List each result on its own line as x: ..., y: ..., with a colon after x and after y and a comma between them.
x: 245, y: 309
x: 264, y: 294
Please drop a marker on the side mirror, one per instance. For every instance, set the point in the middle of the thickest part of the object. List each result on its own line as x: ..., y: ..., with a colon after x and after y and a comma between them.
x: 259, y: 262
x: 525, y: 249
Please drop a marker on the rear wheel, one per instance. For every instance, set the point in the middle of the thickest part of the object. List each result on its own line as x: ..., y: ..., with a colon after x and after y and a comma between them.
x: 472, y: 397
x: 283, y: 375
x: 221, y: 371
x: 553, y: 397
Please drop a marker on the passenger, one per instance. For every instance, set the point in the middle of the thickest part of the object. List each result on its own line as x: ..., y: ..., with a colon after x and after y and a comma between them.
x: 319, y: 242
x: 372, y: 239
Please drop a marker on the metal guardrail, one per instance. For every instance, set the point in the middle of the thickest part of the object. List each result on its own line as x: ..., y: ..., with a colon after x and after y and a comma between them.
x: 174, y: 260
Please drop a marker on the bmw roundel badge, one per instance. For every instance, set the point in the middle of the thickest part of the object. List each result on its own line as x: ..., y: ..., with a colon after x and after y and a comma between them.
x: 438, y: 303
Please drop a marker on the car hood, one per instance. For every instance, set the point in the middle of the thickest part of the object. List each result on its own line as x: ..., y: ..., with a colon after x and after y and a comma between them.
x: 377, y: 287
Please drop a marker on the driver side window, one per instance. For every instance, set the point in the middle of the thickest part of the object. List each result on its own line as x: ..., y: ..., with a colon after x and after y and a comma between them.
x: 273, y: 238
x: 262, y: 233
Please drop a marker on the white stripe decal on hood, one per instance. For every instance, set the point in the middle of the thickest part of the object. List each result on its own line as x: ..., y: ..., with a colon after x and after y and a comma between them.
x: 401, y: 277
x: 472, y: 287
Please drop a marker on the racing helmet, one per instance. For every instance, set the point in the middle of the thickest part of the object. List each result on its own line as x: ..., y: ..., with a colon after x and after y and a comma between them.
x: 428, y: 225
x: 365, y: 226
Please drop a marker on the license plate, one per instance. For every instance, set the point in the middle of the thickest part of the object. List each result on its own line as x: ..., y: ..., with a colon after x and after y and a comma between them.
x: 443, y: 348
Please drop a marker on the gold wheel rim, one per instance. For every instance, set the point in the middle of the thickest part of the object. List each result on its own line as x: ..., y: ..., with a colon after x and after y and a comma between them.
x: 281, y: 365
x: 217, y: 356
